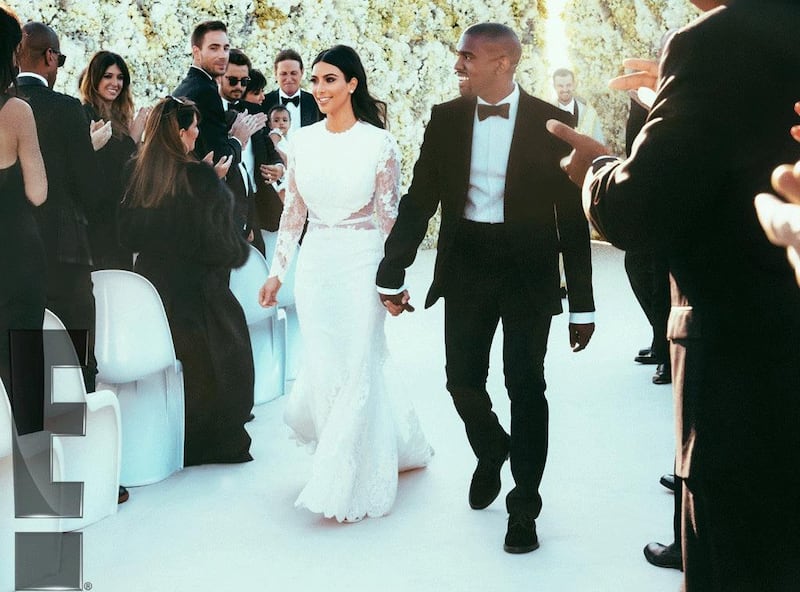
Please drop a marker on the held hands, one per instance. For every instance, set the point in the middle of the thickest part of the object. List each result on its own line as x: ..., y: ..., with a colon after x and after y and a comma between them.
x: 579, y: 335
x: 268, y: 294
x: 585, y: 150
x: 100, y: 132
x: 221, y: 166
x: 246, y: 125
x: 396, y: 303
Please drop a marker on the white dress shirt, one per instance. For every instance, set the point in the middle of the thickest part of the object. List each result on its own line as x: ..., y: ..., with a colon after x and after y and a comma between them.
x: 248, y: 162
x: 294, y: 112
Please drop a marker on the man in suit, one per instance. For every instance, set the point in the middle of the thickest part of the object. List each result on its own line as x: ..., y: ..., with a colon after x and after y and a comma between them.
x: 584, y: 116
x: 302, y: 107
x: 73, y: 197
x: 210, y: 50
x: 709, y: 145
x: 246, y: 178
x: 489, y: 161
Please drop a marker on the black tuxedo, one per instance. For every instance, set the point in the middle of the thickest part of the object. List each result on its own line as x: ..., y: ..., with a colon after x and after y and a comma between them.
x: 708, y: 148
x: 492, y: 272
x: 309, y: 112
x: 73, y: 198
x: 203, y: 90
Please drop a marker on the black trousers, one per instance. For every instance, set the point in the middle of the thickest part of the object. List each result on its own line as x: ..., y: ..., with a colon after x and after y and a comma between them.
x: 648, y: 275
x: 485, y: 288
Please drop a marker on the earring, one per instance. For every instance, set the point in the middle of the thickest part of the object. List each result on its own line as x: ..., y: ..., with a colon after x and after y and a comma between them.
x: 351, y: 92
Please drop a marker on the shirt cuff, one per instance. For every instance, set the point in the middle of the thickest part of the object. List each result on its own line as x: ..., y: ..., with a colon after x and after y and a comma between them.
x: 599, y: 162
x: 581, y: 318
x: 237, y: 139
x: 391, y: 291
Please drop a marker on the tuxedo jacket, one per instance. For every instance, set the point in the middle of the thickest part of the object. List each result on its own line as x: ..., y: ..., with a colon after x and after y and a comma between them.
x: 708, y: 147
x: 73, y: 189
x: 542, y: 209
x: 201, y: 89
x: 309, y: 112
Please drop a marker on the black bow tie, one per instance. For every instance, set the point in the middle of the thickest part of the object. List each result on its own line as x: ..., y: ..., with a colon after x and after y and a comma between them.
x: 485, y: 111
x: 295, y: 99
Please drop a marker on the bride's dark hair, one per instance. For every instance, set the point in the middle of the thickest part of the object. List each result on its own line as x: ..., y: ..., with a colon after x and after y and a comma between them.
x: 365, y: 106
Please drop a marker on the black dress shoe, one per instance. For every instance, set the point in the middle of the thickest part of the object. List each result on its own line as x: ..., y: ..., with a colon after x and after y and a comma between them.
x: 646, y: 351
x: 663, y: 374
x: 668, y: 481
x: 664, y: 555
x: 521, y: 534
x: 485, y: 485
x: 123, y: 495
x: 647, y: 358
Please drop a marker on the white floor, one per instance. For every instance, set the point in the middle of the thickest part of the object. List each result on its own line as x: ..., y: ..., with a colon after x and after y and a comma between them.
x: 235, y: 528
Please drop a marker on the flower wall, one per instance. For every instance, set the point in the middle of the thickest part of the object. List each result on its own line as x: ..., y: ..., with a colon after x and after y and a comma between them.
x: 407, y: 47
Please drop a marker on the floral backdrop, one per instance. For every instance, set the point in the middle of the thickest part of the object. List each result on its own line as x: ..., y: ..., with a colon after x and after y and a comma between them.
x: 407, y: 47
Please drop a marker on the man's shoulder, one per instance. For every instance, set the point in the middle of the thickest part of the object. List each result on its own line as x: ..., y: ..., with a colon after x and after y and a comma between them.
x: 270, y: 99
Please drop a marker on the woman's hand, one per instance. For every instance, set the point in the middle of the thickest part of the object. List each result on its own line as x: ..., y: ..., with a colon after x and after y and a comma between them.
x: 268, y: 294
x: 221, y: 166
x: 100, y: 132
x: 137, y: 125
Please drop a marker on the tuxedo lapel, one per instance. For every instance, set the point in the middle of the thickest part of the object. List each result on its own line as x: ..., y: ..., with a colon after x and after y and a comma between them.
x: 461, y: 149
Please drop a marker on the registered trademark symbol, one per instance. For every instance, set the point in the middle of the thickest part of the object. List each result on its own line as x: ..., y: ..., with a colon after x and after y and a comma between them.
x: 87, y: 586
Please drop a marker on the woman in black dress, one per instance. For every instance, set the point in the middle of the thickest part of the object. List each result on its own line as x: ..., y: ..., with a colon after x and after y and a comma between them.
x: 106, y: 96
x: 178, y: 216
x: 23, y: 184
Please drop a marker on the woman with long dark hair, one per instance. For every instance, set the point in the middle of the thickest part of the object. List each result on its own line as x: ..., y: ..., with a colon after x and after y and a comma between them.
x: 178, y: 216
x: 344, y: 174
x: 23, y: 184
x: 106, y: 95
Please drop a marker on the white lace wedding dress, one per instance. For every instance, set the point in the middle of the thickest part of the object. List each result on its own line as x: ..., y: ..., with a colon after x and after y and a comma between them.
x: 345, y: 405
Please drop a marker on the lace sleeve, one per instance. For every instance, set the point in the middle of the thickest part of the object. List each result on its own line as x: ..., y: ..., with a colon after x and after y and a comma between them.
x: 293, y: 219
x: 387, y: 185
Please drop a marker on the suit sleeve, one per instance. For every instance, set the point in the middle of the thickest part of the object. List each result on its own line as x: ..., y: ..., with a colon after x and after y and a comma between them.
x: 81, y: 159
x: 415, y: 210
x: 214, y: 129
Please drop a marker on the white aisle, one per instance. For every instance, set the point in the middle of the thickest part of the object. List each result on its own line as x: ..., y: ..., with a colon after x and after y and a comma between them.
x: 234, y: 528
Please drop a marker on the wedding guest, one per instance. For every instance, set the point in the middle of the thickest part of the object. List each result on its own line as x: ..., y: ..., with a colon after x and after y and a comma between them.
x: 74, y: 194
x: 709, y: 145
x: 288, y: 68
x: 106, y: 95
x: 584, y: 116
x: 254, y: 92
x: 23, y: 183
x: 344, y: 172
x: 506, y: 209
x: 178, y: 215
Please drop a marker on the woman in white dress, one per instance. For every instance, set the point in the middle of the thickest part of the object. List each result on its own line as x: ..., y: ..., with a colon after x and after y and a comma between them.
x: 344, y: 173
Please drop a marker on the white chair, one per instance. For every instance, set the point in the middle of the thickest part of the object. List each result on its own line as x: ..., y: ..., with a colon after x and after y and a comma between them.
x: 266, y: 333
x: 136, y: 359
x: 94, y: 457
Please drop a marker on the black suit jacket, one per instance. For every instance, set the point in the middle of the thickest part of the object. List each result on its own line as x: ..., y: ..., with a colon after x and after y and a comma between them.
x: 200, y: 88
x: 309, y: 112
x: 542, y: 207
x: 73, y: 194
x: 708, y: 147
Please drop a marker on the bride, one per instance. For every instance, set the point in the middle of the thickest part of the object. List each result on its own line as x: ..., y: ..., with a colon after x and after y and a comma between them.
x: 344, y: 173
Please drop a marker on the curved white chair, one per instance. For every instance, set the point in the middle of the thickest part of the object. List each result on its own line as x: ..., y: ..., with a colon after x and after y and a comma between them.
x: 266, y: 333
x: 94, y: 457
x: 136, y: 359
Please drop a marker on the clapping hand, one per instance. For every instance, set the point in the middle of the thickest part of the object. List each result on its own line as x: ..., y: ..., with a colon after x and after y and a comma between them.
x: 268, y: 294
x: 221, y: 166
x: 100, y: 132
x: 246, y: 125
x: 138, y: 123
x: 395, y: 304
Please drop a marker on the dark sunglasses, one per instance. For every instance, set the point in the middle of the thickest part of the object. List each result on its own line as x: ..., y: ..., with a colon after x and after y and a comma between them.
x: 62, y: 58
x: 233, y: 81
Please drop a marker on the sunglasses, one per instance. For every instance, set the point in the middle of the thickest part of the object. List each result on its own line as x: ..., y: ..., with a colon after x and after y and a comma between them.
x: 62, y: 58
x: 233, y: 81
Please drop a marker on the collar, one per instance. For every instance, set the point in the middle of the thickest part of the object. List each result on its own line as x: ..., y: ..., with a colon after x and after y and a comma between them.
x: 568, y: 107
x: 512, y: 98
x: 199, y: 69
x: 283, y: 95
x: 34, y: 75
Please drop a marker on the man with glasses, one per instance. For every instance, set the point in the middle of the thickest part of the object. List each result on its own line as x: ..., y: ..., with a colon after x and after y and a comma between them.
x: 259, y: 154
x: 210, y: 51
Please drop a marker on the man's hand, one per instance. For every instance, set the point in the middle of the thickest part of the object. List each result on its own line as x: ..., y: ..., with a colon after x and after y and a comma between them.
x: 100, y: 132
x: 579, y: 335
x: 646, y: 75
x: 271, y: 172
x: 246, y: 125
x: 396, y: 303
x: 586, y: 149
x: 221, y: 167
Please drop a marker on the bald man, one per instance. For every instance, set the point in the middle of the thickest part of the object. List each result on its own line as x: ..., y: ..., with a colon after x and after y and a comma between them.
x: 488, y: 160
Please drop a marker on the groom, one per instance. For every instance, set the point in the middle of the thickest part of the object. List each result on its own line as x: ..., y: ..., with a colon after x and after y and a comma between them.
x: 507, y: 209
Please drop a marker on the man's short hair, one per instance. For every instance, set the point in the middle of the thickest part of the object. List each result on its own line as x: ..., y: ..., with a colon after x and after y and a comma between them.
x: 200, y: 31
x: 238, y: 58
x: 563, y: 72
x: 499, y: 34
x: 287, y: 54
